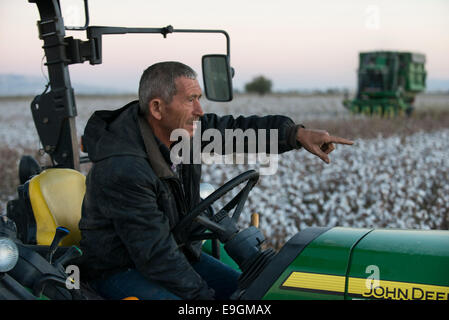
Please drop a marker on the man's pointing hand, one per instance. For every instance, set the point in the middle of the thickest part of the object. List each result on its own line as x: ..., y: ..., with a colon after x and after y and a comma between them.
x: 319, y: 142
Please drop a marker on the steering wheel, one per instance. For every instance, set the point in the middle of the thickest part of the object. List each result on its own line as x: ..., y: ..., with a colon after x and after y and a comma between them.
x: 221, y: 225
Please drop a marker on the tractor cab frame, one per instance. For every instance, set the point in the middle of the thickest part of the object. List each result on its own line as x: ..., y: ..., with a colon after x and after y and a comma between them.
x: 54, y: 111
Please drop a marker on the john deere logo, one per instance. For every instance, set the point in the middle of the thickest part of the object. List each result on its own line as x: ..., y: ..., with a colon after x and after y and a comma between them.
x: 407, y: 291
x: 371, y: 288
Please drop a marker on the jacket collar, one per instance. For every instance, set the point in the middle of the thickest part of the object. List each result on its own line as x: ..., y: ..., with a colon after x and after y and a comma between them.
x: 158, y: 154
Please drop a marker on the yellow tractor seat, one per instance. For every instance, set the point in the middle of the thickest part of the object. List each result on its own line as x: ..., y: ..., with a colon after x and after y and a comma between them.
x: 56, y: 196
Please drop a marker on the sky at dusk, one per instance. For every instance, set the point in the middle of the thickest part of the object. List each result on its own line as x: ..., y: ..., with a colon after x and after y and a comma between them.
x: 297, y: 44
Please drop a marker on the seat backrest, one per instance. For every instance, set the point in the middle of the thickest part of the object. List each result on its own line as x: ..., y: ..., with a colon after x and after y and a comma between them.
x: 56, y: 196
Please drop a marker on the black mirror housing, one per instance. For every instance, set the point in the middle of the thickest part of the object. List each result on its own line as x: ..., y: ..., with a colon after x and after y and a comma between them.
x: 217, y: 77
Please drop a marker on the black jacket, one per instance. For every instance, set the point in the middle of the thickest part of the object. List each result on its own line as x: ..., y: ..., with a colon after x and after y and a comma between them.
x: 133, y: 199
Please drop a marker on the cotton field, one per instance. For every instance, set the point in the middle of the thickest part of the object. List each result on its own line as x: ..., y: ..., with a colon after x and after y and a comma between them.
x: 392, y: 183
x: 394, y: 179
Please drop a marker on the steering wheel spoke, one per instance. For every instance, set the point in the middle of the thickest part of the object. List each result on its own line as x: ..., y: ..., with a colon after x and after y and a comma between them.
x: 211, y: 225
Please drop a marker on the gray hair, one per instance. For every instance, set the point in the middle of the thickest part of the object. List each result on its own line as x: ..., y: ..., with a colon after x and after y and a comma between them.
x: 158, y: 81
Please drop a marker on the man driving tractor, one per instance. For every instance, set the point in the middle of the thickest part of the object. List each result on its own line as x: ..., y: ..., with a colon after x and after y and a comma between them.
x: 136, y: 195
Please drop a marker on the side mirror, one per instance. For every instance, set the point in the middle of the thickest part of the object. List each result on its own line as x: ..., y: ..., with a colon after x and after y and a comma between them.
x: 75, y: 14
x: 217, y: 77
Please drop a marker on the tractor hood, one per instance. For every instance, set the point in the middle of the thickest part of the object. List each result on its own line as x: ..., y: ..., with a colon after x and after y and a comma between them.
x: 350, y: 263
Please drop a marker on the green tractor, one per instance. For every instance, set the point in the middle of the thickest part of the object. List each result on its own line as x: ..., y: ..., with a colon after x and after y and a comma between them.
x: 39, y: 233
x: 388, y: 83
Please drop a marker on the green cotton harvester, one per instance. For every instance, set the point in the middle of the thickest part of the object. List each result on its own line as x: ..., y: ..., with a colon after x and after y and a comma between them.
x: 388, y: 82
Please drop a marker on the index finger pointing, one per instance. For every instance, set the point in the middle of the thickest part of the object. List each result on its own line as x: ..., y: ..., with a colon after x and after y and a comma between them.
x: 340, y: 140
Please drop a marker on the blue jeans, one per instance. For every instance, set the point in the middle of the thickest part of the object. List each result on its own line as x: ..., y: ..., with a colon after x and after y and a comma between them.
x: 131, y: 283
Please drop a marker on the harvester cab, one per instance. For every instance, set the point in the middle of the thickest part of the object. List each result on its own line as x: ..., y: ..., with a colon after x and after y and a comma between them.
x: 39, y: 234
x: 388, y: 83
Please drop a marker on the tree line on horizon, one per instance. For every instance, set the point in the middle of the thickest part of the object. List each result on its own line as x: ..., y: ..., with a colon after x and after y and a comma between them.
x: 261, y: 85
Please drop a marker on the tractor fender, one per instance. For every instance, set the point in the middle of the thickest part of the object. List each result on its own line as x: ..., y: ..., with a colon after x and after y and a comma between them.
x: 353, y: 263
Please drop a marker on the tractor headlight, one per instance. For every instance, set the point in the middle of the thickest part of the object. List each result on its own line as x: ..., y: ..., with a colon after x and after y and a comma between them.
x: 9, y: 254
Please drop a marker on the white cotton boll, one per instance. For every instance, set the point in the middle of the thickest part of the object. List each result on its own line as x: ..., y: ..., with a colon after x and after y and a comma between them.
x: 311, y: 197
x: 327, y: 206
x: 333, y: 221
x: 351, y: 194
x: 321, y: 219
x: 303, y: 225
x: 421, y: 214
x: 313, y: 208
x: 339, y: 212
x: 409, y: 203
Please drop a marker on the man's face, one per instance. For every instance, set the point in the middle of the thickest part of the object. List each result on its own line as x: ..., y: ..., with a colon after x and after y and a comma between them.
x: 185, y: 107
